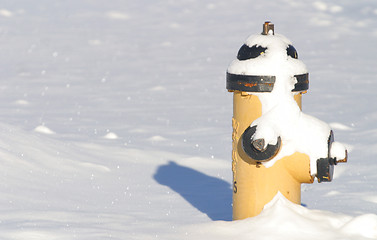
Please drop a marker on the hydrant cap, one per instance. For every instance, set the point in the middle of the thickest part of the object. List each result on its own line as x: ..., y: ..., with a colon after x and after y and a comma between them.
x: 265, y: 59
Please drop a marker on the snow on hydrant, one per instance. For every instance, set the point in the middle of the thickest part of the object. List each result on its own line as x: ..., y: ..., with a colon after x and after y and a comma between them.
x: 276, y: 147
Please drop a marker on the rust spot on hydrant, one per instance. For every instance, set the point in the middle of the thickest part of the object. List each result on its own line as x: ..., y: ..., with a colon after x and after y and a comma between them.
x: 250, y: 84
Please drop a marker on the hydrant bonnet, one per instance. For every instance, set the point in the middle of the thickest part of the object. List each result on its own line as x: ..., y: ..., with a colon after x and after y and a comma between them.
x: 260, y: 56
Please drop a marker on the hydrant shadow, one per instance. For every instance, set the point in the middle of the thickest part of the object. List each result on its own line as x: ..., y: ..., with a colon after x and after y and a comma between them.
x: 210, y: 195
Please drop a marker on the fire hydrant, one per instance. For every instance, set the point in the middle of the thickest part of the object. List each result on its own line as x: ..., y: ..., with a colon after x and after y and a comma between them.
x: 276, y: 147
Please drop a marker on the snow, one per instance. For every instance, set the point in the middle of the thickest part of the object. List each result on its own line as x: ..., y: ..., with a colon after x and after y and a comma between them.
x: 339, y: 126
x: 43, y: 129
x: 117, y: 15
x: 6, y: 13
x: 111, y: 135
x: 338, y: 151
x: 146, y: 70
x: 292, y: 221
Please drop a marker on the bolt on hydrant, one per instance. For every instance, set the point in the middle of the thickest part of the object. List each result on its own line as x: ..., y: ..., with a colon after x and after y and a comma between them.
x: 276, y: 147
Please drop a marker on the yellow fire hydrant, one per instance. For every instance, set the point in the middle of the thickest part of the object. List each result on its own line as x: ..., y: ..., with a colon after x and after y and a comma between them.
x: 276, y: 147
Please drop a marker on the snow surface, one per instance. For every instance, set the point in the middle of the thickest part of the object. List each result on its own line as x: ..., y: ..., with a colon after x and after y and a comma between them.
x: 291, y: 221
x: 134, y: 95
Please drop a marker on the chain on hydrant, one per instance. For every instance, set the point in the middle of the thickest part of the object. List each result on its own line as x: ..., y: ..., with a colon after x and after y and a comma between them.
x: 276, y: 147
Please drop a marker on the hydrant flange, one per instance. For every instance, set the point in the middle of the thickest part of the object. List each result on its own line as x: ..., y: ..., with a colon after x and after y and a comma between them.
x: 254, y: 83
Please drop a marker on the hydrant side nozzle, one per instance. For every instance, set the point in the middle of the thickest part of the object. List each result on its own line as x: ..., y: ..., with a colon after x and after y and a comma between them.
x: 267, y: 27
x: 325, y: 168
x: 255, y: 149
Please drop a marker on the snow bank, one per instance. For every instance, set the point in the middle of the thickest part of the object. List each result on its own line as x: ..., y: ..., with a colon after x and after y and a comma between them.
x: 282, y: 220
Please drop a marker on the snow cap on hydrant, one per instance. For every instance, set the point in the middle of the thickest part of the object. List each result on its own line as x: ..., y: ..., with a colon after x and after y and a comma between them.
x: 271, y: 135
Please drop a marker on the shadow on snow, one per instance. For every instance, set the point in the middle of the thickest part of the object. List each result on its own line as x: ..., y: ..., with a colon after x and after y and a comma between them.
x: 210, y: 195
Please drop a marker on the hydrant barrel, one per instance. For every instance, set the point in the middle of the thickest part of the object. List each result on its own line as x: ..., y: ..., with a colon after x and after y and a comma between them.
x: 254, y: 185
